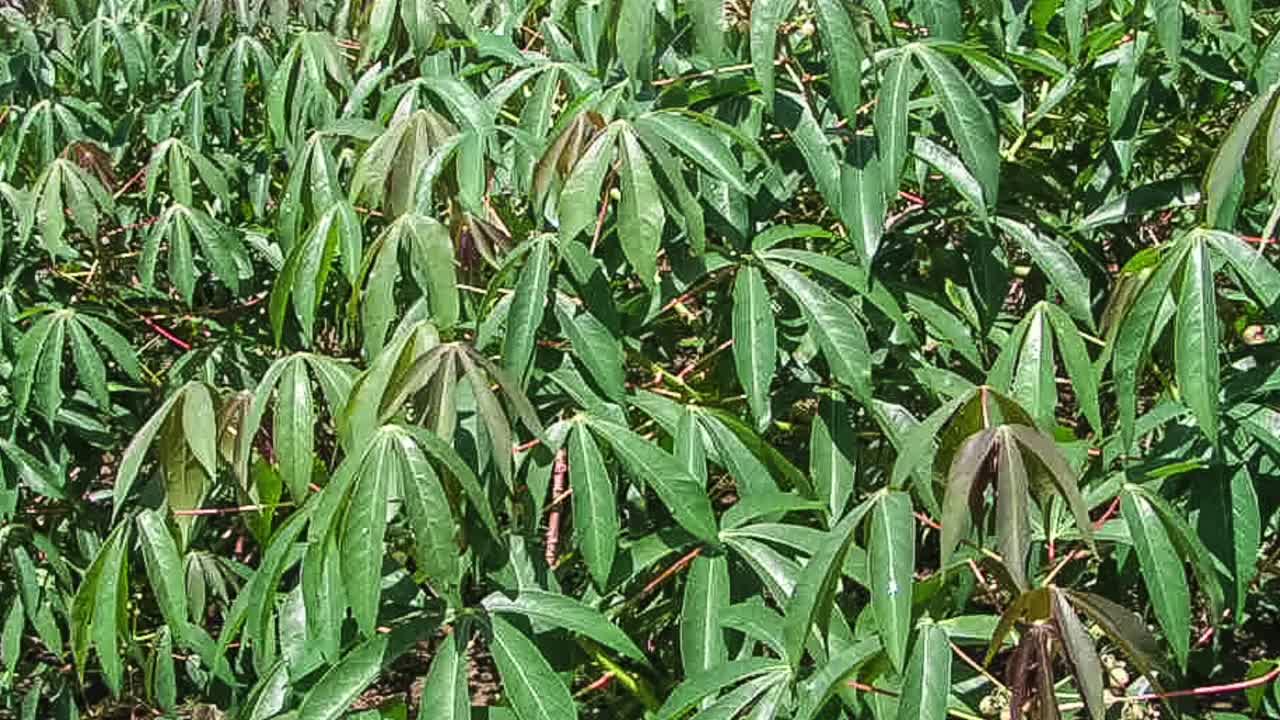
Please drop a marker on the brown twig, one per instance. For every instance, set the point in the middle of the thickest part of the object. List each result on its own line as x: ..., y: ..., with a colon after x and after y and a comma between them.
x: 666, y: 575
x: 553, y: 520
x: 1206, y: 690
x: 162, y: 332
x: 598, y: 684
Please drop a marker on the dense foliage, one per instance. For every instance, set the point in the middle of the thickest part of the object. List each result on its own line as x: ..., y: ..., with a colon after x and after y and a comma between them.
x: 639, y: 358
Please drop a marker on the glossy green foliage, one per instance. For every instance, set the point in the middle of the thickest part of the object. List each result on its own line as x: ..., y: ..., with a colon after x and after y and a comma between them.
x: 767, y: 359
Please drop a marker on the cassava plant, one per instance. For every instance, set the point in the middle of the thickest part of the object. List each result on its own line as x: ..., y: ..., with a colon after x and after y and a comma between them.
x: 664, y: 359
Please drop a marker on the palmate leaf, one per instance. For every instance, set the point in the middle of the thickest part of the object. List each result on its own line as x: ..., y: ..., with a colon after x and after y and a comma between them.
x: 400, y: 165
x: 220, y: 248
x: 305, y: 86
x: 176, y: 159
x: 429, y: 249
x: 65, y: 190
x: 336, y: 235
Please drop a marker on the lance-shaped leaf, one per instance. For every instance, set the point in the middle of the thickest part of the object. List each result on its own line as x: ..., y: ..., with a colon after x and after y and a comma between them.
x: 527, y: 307
x: 891, y: 553
x: 332, y: 695
x: 1127, y: 631
x: 1013, y: 508
x: 1166, y: 580
x: 963, y: 481
x: 533, y: 688
x: 640, y: 212
x: 446, y: 682
x: 833, y: 452
x: 814, y: 594
x: 834, y: 324
x: 565, y: 612
x: 1058, y: 266
x: 706, y: 597
x: 1078, y: 644
x: 968, y: 119
x: 595, y: 517
x: 1196, y: 339
x: 680, y: 492
x: 766, y: 17
x: 928, y: 681
x: 844, y: 54
x: 754, y: 341
x: 99, y: 606
x: 696, y: 687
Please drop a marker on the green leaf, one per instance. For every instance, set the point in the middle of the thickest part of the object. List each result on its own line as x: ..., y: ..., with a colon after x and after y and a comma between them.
x: 446, y: 682
x: 697, y: 142
x: 580, y: 198
x: 844, y: 52
x: 1196, y: 339
x: 811, y: 601
x: 565, y: 612
x: 683, y: 495
x: 431, y: 516
x: 1231, y: 523
x: 1129, y: 348
x: 696, y: 687
x: 928, y: 681
x: 891, y: 116
x: 640, y: 213
x: 833, y: 452
x: 363, y: 529
x: 1057, y: 265
x: 136, y: 452
x: 706, y: 598
x: 1159, y: 195
x: 754, y: 341
x: 967, y: 118
x: 595, y: 519
x: 532, y: 687
x: 833, y: 323
x: 1075, y: 356
x: 98, y: 608
x: 596, y: 348
x: 1169, y: 28
x: 862, y: 201
x: 332, y: 695
x: 1224, y: 178
x: 294, y: 431
x: 891, y: 551
x: 1162, y: 570
x: 164, y: 569
x: 635, y: 45
x: 527, y: 307
x: 766, y: 17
